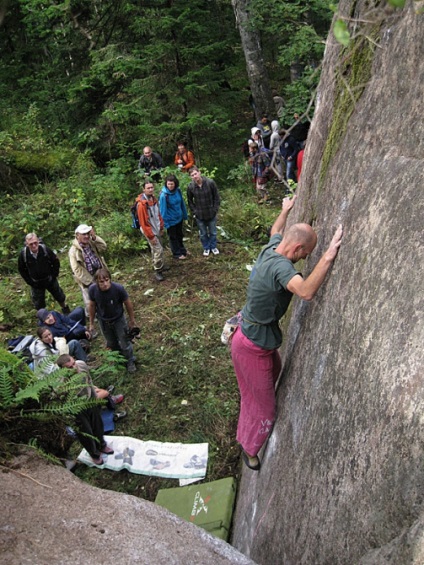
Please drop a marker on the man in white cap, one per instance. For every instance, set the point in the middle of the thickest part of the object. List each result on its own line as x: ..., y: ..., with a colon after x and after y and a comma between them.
x: 85, y: 258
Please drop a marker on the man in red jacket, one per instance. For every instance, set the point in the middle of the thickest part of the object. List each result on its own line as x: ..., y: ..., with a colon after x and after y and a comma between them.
x: 151, y: 226
x: 184, y: 159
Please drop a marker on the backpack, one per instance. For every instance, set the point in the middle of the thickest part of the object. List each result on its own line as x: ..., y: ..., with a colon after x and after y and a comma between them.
x: 43, y: 247
x: 20, y: 346
x: 134, y: 215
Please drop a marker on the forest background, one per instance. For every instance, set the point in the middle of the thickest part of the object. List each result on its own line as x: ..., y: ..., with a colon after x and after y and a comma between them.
x: 84, y: 86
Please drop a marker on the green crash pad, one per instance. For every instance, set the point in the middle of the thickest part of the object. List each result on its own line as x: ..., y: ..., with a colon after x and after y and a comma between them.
x: 208, y: 505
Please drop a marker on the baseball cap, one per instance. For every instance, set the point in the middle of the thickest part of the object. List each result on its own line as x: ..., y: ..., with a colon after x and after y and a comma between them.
x: 83, y: 228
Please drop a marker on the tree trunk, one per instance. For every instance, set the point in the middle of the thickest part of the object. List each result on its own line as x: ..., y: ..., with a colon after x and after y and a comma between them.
x: 256, y: 70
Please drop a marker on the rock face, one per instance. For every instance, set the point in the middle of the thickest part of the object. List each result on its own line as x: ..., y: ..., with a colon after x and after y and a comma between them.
x: 50, y: 517
x: 342, y: 480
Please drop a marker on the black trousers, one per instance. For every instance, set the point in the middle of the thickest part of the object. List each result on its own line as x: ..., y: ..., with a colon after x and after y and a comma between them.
x: 175, y: 234
x: 38, y: 295
x: 89, y: 428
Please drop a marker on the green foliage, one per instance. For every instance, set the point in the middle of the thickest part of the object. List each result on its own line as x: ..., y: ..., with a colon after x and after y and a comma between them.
x: 36, y: 406
x: 241, y: 218
x: 397, y: 3
x: 352, y: 75
x: 14, y: 375
x: 28, y: 147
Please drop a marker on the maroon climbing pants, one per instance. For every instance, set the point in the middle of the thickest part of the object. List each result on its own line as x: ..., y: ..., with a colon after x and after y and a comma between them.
x: 257, y: 371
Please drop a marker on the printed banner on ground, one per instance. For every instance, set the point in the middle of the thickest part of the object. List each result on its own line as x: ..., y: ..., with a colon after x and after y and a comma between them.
x: 155, y: 458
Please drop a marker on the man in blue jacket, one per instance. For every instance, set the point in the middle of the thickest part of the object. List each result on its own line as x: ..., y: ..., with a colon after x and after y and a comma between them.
x: 70, y: 327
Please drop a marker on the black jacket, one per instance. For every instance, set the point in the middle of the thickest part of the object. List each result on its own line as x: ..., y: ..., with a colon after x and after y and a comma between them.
x: 38, y: 272
x: 154, y: 163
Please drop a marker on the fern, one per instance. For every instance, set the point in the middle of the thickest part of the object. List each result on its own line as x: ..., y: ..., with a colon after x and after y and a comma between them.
x: 71, y: 407
x: 6, y: 388
x: 48, y: 456
x: 38, y: 403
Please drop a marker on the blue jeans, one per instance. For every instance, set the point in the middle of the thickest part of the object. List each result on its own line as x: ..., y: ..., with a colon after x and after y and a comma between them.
x: 290, y: 174
x: 115, y: 334
x: 207, y: 232
x: 76, y: 350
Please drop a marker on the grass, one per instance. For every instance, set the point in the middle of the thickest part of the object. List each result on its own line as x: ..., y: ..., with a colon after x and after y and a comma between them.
x: 184, y: 389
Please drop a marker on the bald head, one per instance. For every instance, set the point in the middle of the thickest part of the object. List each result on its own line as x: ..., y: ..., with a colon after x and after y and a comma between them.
x: 298, y: 242
x: 301, y: 233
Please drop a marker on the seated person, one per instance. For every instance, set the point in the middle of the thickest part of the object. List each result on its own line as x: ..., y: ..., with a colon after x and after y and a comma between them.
x: 46, y: 345
x: 70, y: 327
x: 88, y: 422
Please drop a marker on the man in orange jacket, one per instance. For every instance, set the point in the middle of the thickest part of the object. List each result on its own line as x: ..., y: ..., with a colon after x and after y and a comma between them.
x: 184, y: 159
x: 151, y: 226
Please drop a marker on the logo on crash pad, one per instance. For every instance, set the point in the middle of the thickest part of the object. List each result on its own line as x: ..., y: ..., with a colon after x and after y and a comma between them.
x: 199, y: 504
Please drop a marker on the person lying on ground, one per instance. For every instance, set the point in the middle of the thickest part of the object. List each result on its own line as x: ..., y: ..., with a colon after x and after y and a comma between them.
x: 46, y: 344
x: 70, y: 327
x: 70, y: 362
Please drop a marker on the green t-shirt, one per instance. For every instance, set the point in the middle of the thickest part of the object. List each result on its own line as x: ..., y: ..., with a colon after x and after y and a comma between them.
x: 267, y: 296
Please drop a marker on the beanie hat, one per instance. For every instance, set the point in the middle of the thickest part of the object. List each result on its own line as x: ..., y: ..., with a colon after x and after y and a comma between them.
x: 42, y: 314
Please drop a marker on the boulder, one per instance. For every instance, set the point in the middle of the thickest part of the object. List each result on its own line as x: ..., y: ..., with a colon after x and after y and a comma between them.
x: 342, y: 477
x: 51, y: 517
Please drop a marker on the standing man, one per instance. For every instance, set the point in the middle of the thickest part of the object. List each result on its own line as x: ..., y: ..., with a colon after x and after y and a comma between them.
x: 85, y: 258
x: 184, y: 159
x: 39, y: 267
x: 203, y: 201
x: 150, y: 163
x: 255, y: 344
x: 107, y: 301
x: 265, y: 126
x: 151, y: 225
x: 289, y: 148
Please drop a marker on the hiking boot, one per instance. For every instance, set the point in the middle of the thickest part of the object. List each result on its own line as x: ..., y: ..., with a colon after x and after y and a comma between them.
x: 159, y: 277
x: 98, y: 461
x: 118, y: 398
x: 165, y: 268
x: 66, y: 310
x: 90, y: 358
x: 252, y: 462
x: 93, y: 334
x: 215, y: 251
x: 131, y: 367
x: 206, y: 253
